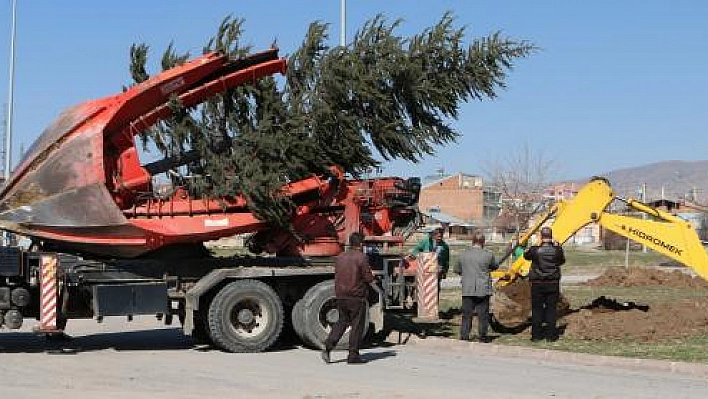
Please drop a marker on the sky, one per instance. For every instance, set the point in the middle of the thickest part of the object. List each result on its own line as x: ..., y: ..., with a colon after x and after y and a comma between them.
x: 615, y: 84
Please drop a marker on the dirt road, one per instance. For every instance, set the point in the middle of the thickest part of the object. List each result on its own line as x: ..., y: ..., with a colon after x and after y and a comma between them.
x: 120, y: 360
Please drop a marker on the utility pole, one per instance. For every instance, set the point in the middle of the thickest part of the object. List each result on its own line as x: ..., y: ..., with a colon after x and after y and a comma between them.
x: 11, y: 91
x: 644, y: 215
x: 343, y: 23
x: 626, y: 255
x: 3, y: 138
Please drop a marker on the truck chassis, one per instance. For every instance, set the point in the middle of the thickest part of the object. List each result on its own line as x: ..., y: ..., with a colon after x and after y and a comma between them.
x: 239, y: 304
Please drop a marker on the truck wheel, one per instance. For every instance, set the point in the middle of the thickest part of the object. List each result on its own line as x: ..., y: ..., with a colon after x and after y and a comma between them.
x: 245, y: 316
x: 298, y: 320
x: 320, y: 313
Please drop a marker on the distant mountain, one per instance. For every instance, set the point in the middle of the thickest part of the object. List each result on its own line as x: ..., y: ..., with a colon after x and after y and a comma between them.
x: 676, y: 179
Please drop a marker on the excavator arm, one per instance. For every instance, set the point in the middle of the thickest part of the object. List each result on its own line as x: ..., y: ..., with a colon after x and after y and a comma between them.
x: 661, y: 231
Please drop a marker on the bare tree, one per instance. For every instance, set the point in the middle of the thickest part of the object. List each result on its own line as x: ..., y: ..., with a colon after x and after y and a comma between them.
x: 521, y: 176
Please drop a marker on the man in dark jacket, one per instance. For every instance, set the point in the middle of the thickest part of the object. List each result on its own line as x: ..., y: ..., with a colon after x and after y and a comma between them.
x: 474, y: 265
x: 544, y: 277
x: 352, y: 278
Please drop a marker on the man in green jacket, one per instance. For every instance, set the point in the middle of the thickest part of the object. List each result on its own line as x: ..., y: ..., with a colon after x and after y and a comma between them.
x: 434, y: 243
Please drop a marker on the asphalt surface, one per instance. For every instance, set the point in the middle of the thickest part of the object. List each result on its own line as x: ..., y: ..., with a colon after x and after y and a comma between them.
x: 141, y: 359
x: 454, y: 281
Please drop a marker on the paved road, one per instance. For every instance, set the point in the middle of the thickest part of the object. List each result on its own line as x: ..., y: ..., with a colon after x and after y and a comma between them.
x: 121, y: 360
x: 454, y: 281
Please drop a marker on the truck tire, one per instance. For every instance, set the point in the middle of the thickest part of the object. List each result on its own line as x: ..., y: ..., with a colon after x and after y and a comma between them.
x: 319, y: 313
x: 245, y: 316
x: 297, y: 316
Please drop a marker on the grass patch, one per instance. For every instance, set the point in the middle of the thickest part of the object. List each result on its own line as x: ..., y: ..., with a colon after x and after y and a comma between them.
x: 580, y: 261
x: 586, y: 261
x: 689, y: 349
x: 579, y: 295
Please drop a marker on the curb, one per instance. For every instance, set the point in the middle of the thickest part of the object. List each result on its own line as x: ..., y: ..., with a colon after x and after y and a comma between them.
x: 585, y: 359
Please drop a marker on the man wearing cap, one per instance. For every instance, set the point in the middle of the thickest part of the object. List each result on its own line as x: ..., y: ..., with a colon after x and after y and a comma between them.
x: 544, y: 277
x: 434, y: 243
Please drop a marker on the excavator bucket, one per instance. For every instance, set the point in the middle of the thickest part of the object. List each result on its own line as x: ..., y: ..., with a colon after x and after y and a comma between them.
x: 81, y: 184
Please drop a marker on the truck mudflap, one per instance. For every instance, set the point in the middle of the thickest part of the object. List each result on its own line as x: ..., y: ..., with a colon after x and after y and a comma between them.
x: 129, y: 299
x: 376, y: 314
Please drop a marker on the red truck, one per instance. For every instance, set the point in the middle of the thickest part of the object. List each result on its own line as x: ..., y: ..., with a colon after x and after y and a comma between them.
x: 124, y: 248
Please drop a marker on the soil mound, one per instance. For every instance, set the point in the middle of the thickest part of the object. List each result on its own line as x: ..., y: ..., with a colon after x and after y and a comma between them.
x: 646, y: 322
x: 680, y: 319
x: 635, y: 277
x: 512, y: 303
x: 608, y: 319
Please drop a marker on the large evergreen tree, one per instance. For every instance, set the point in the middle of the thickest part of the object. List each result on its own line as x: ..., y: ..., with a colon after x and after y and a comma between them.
x: 382, y: 94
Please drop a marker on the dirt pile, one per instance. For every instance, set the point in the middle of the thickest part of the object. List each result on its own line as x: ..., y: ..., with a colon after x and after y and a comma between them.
x: 683, y: 318
x: 634, y: 277
x: 681, y: 313
x: 511, y: 304
x: 670, y: 318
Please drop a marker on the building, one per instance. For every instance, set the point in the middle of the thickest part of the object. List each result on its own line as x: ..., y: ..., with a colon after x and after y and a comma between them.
x: 462, y: 196
x: 452, y: 226
x: 562, y: 191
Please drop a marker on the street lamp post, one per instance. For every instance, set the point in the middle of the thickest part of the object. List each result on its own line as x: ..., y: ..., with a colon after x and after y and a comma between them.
x: 343, y: 23
x: 11, y: 91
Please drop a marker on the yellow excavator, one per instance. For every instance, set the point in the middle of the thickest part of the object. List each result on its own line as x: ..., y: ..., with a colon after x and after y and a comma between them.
x: 661, y: 231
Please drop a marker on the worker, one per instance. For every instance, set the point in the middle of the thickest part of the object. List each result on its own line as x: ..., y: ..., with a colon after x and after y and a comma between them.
x: 544, y: 276
x: 474, y: 265
x: 434, y: 243
x: 352, y: 277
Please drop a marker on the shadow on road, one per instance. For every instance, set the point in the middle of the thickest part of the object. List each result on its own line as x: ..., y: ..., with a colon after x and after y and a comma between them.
x: 368, y: 357
x: 161, y: 339
x: 400, y: 327
x: 158, y: 339
x: 372, y: 356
